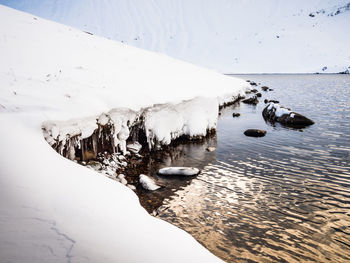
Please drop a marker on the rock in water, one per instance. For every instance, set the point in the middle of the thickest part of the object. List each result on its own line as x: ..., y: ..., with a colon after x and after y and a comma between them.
x: 94, y: 165
x: 274, y: 101
x: 264, y: 88
x: 235, y: 114
x: 122, y: 179
x: 134, y: 147
x: 148, y: 183
x: 255, y: 133
x: 210, y: 149
x: 184, y: 171
x: 253, y: 100
x: 276, y: 113
x: 258, y: 94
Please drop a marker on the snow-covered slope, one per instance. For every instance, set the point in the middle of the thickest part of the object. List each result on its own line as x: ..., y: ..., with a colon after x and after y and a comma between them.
x: 52, y: 209
x: 232, y: 36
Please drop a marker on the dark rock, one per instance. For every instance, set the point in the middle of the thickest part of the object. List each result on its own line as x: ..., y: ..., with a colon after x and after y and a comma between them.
x: 236, y: 114
x: 255, y: 133
x: 274, y: 101
x: 258, y: 94
x: 295, y: 119
x: 291, y: 119
x: 345, y: 72
x: 254, y: 90
x: 253, y: 100
x: 253, y: 83
x: 264, y: 88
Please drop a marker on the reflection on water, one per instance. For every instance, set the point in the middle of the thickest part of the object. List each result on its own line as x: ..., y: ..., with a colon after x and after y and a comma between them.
x: 281, y: 198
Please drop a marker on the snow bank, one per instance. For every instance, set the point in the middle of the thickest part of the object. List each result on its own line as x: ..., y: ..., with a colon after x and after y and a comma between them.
x: 240, y: 36
x: 52, y: 209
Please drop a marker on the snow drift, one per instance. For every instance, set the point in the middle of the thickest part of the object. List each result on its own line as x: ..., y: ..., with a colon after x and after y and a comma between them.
x: 240, y: 36
x: 52, y: 209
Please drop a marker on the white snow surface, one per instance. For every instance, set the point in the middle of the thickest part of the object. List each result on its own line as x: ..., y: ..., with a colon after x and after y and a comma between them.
x: 279, y: 110
x: 52, y: 209
x: 231, y: 36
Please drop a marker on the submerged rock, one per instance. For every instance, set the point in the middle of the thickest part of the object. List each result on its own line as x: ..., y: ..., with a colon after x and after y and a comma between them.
x: 255, y: 133
x: 148, y: 183
x: 252, y: 100
x: 236, y: 114
x: 276, y: 113
x: 265, y: 88
x: 184, y: 171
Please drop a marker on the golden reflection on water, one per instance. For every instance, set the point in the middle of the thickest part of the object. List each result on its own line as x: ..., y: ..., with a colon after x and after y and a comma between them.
x: 240, y: 221
x: 281, y: 198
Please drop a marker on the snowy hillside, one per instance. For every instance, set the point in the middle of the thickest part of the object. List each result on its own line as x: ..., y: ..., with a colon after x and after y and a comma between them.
x: 54, y: 210
x: 231, y: 36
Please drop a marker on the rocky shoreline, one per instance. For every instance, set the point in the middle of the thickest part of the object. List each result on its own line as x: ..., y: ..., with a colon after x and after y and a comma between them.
x: 124, y: 152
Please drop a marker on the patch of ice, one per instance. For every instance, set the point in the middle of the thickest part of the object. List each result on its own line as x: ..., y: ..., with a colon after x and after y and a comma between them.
x: 166, y: 122
x: 186, y: 171
x: 148, y: 183
x: 122, y: 179
x: 279, y: 110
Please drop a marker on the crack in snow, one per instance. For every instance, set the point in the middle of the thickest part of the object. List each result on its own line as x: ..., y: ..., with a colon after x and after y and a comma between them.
x: 57, y: 231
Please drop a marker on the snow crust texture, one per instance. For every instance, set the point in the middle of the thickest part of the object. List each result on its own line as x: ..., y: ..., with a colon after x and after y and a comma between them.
x: 240, y: 36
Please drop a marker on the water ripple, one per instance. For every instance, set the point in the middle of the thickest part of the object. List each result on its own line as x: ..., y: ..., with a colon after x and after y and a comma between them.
x: 281, y: 198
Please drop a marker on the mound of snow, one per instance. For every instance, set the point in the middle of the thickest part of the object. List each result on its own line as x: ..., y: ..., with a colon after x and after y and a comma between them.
x: 52, y: 209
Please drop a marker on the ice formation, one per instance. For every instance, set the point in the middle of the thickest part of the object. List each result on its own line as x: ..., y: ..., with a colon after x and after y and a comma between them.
x: 148, y: 183
x: 186, y: 171
x: 161, y: 124
x: 278, y: 109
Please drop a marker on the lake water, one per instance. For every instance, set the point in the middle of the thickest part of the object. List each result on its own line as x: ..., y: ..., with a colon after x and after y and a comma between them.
x: 284, y: 197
